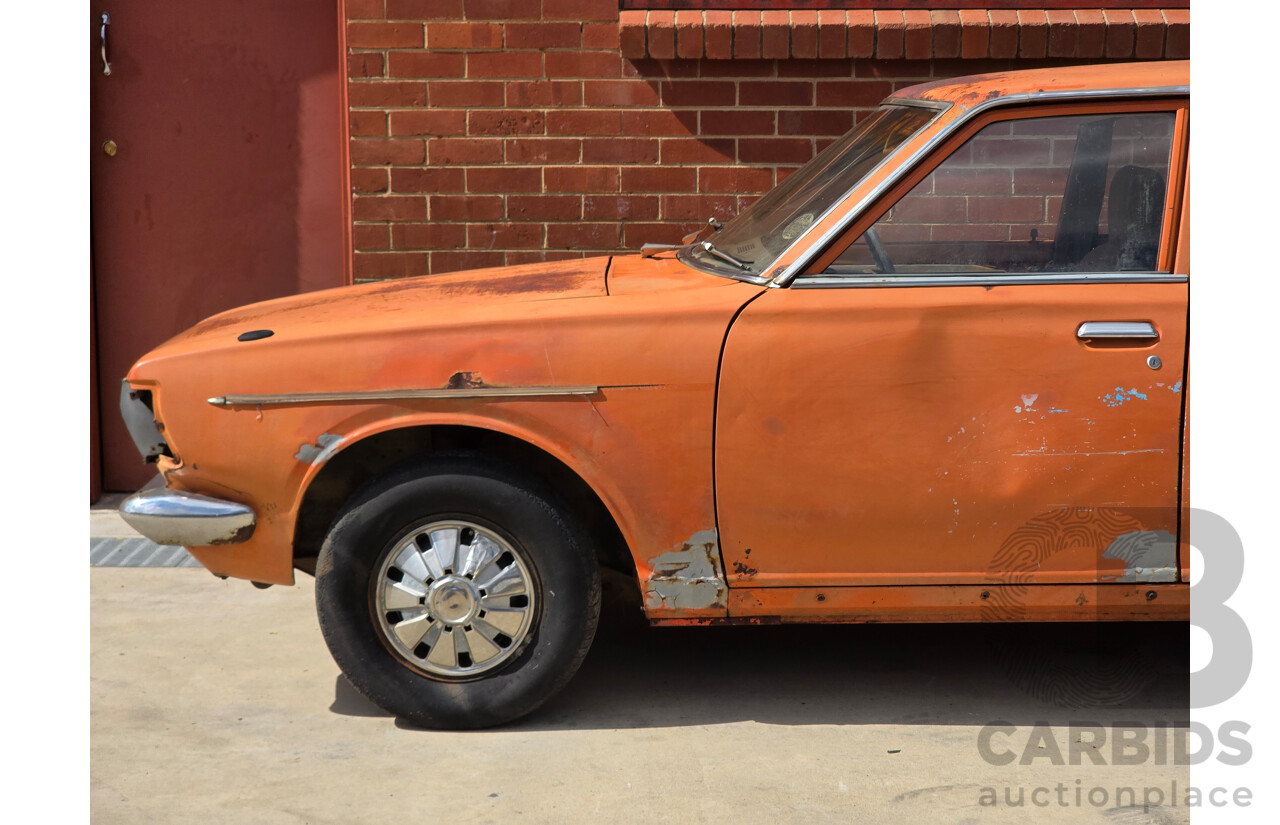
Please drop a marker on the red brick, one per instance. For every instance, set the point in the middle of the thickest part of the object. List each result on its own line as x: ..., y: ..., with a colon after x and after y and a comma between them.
x: 688, y: 34
x: 1120, y: 32
x: 854, y: 93
x: 1064, y: 36
x: 637, y: 234
x: 367, y: 124
x: 1040, y: 180
x: 1006, y: 210
x: 543, y: 151
x: 459, y: 260
x: 739, y: 69
x: 1092, y: 28
x: 584, y: 235
x: 654, y: 70
x: 424, y: 9
x: 539, y: 35
x: 504, y: 64
x: 775, y: 34
x: 734, y: 179
x: 426, y: 64
x: 591, y: 65
x: 432, y: 180
x: 366, y: 10
x: 365, y: 64
x: 698, y: 93
x: 775, y: 93
x: 918, y: 35
x: 661, y: 31
x: 389, y: 208
x: 535, y: 256
x: 497, y: 9
x: 717, y: 34
x: 374, y: 94
x: 371, y: 236
x: 578, y: 9
x: 833, y: 34
x: 580, y: 179
x: 505, y: 122
x: 862, y: 33
x: 746, y: 34
x: 543, y: 93
x: 544, y: 207
x: 369, y: 180
x: 804, y: 33
x: 619, y: 207
x: 929, y: 209
x: 1004, y: 33
x: 659, y: 179
x: 430, y: 122
x: 1033, y: 33
x: 428, y: 235
x: 953, y: 180
x: 1149, y: 37
x: 442, y: 151
x: 465, y: 207
x: 631, y: 34
x: 504, y: 235
x: 975, y: 33
x: 739, y: 122
x: 890, y: 29
x: 583, y: 122
x: 604, y: 35
x: 464, y: 36
x: 384, y: 35
x: 389, y: 264
x: 775, y: 150
x: 698, y: 207
x: 897, y: 69
x: 1177, y: 43
x: 659, y: 122
x: 696, y: 150
x: 465, y: 93
x: 619, y: 150
x: 374, y: 152
x: 946, y: 33
x: 814, y: 122
x: 630, y: 93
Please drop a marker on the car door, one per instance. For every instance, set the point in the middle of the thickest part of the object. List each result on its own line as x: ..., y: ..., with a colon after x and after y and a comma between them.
x: 982, y: 380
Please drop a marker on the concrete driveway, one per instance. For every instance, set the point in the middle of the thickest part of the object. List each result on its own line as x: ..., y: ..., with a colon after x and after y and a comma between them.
x: 216, y: 702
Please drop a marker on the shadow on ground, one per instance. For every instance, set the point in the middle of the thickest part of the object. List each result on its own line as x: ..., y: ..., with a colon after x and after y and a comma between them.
x: 638, y: 676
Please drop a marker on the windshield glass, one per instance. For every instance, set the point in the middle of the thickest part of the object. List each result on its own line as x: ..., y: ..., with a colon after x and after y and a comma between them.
x: 765, y: 229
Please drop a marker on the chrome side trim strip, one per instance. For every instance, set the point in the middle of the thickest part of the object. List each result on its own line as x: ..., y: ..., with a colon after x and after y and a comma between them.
x: 815, y: 247
x: 398, y: 395
x: 865, y: 281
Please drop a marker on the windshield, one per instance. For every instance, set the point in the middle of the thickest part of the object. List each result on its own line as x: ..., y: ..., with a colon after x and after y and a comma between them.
x: 763, y: 231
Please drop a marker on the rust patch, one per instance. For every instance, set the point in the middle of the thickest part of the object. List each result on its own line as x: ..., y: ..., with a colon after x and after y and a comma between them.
x: 465, y: 381
x: 689, y: 577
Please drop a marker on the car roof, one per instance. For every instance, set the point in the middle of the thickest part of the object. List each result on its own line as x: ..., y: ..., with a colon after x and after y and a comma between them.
x: 1174, y: 75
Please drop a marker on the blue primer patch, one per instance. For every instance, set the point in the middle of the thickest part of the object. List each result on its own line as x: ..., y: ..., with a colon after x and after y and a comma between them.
x: 1120, y: 396
x: 1055, y: 411
x: 1176, y: 387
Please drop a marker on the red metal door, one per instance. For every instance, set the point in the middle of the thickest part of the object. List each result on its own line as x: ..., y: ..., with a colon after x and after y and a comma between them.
x: 216, y: 174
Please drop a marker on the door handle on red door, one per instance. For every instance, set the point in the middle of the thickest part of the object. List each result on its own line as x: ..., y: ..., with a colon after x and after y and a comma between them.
x: 1111, y: 330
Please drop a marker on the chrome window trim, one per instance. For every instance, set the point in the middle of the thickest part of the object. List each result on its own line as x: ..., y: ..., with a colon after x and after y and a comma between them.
x: 815, y: 248
x: 1010, y: 279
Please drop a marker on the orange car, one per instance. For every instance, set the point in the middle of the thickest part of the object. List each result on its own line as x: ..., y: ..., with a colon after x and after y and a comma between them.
x: 938, y: 374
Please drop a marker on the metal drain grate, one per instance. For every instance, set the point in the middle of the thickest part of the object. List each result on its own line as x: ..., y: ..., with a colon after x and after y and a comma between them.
x: 105, y: 552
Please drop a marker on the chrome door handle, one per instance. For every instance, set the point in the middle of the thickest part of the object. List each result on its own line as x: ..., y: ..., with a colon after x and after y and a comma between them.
x: 102, y: 34
x: 1116, y: 329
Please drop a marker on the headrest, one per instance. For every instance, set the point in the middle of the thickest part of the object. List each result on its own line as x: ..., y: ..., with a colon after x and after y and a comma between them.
x: 1136, y: 204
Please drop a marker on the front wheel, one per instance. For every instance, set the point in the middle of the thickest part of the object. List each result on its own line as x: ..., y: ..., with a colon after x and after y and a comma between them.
x: 457, y: 593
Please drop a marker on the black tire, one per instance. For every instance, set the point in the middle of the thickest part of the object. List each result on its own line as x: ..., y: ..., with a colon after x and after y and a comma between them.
x: 549, y: 540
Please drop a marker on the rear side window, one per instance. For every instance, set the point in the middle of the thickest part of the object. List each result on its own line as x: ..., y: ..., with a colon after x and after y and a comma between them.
x: 1074, y: 193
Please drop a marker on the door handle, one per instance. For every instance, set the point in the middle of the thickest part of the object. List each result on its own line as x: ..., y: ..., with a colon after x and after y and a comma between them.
x: 102, y: 34
x: 1116, y: 329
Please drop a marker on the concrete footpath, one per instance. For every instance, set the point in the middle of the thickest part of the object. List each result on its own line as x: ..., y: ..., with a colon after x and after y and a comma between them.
x: 214, y: 701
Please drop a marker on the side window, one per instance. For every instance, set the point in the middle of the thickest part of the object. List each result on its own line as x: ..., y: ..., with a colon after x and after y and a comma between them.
x: 1074, y: 193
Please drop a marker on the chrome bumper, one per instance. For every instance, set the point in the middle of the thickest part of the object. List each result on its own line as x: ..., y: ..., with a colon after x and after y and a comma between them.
x: 174, y: 517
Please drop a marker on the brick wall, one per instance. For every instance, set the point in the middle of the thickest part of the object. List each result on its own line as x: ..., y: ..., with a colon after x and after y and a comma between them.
x: 491, y: 132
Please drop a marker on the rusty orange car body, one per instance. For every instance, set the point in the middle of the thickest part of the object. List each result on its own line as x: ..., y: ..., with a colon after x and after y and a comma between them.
x: 791, y: 445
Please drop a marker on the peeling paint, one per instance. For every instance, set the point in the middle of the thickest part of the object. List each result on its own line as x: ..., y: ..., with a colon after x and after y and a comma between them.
x: 1120, y: 396
x: 689, y: 577
x: 1176, y: 387
x: 1149, y: 555
x: 320, y: 452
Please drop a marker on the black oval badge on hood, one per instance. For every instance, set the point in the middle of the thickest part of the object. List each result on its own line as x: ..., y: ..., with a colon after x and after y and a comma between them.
x: 255, y: 334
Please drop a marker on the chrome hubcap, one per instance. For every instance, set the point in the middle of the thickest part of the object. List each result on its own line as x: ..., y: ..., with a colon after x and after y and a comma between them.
x: 454, y: 599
